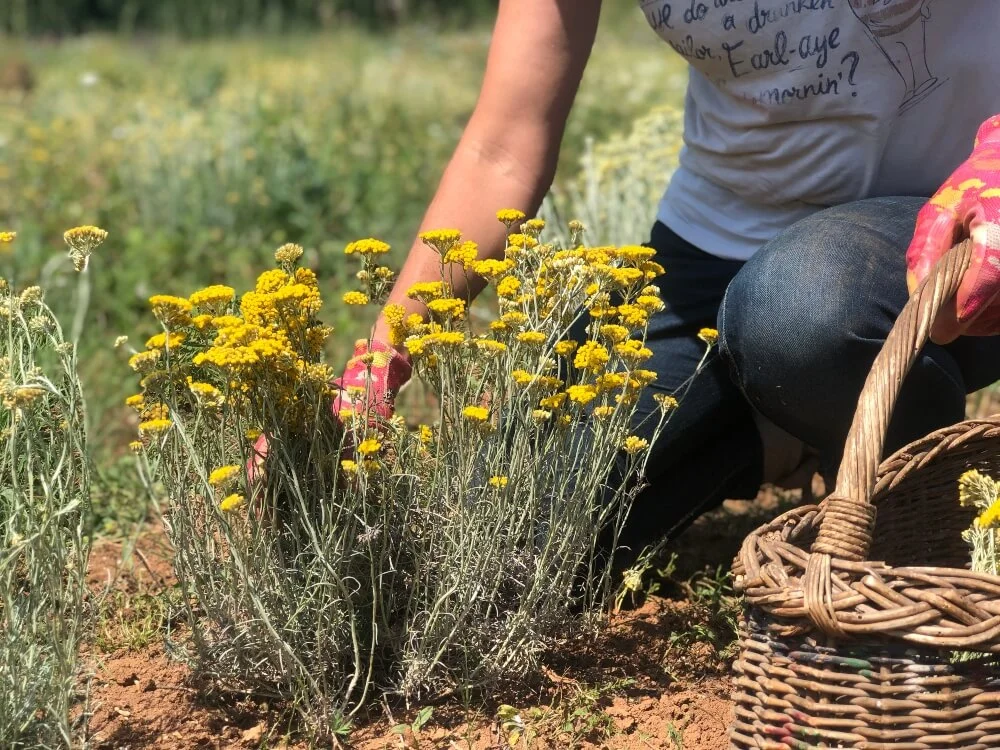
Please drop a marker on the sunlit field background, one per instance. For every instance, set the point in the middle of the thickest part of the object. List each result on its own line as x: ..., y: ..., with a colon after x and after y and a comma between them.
x: 200, y: 156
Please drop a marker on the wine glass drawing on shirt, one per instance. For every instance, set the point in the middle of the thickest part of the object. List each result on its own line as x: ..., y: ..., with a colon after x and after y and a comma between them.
x: 898, y: 28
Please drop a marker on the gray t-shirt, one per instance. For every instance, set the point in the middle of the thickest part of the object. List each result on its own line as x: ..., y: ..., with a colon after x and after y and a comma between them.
x: 796, y: 105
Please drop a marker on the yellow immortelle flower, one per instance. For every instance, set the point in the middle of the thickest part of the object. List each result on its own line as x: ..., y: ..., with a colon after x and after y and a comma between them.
x: 224, y: 475
x: 32, y: 295
x: 633, y: 445
x: 426, y: 434
x: 633, y: 351
x: 609, y: 381
x: 450, y: 307
x: 498, y: 326
x: 464, y: 254
x: 522, y: 241
x: 531, y: 338
x: 990, y: 518
x: 649, y: 303
x: 369, y: 446
x: 613, y: 333
x: 541, y: 415
x: 667, y: 403
x: 522, y: 377
x: 271, y: 281
x: 416, y: 345
x: 135, y: 446
x: 604, y: 412
x: 708, y: 335
x: 120, y: 341
x: 491, y: 268
x: 232, y: 502
x: 136, y: 402
x: 477, y: 414
x: 642, y: 377
x: 172, y: 312
x: 591, y: 356
x: 7, y: 237
x: 509, y: 215
x: 508, y: 287
x: 581, y: 394
x: 154, y: 426
x: 368, y: 246
x: 514, y: 318
x: 490, y: 346
x: 635, y: 253
x: 651, y: 269
x: 632, y: 316
x: 143, y: 362
x: 441, y: 239
x: 306, y: 276
x: 355, y: 298
x: 976, y: 490
x: 165, y: 340
x: 213, y: 298
x: 22, y: 396
x: 201, y: 322
x: 348, y: 466
x: 601, y: 311
x: 394, y: 314
x: 534, y: 225
x: 446, y: 338
x: 555, y: 401
x: 206, y: 394
x: 82, y: 241
x: 426, y: 290
x: 288, y: 253
x: 565, y: 348
x: 226, y: 321
x: 499, y: 482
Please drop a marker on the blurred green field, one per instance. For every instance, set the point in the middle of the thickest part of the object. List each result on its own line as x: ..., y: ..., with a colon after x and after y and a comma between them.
x: 201, y: 157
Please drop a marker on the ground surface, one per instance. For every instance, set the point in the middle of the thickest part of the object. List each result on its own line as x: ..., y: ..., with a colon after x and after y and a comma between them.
x: 656, y: 678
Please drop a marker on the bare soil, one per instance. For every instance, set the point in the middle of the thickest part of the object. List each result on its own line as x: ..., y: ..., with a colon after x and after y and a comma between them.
x: 638, y: 685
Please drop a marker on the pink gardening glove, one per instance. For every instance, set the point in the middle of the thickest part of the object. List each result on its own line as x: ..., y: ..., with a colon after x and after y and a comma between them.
x: 967, y: 205
x: 388, y: 371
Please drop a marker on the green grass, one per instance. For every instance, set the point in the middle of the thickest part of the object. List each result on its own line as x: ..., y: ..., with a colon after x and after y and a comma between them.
x: 200, y: 158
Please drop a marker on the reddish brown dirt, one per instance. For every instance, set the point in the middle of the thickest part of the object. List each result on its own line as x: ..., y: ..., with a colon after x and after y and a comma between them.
x: 633, y: 688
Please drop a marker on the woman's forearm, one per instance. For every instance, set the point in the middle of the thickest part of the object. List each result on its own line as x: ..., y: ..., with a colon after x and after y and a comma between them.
x: 480, y: 179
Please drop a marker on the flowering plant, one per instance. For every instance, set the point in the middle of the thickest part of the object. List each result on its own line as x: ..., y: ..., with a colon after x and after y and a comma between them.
x: 44, y: 495
x: 439, y: 557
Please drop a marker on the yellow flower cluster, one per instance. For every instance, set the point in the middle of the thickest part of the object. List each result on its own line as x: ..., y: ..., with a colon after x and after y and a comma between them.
x: 261, y: 348
x: 82, y: 241
x: 367, y: 246
x: 213, y: 299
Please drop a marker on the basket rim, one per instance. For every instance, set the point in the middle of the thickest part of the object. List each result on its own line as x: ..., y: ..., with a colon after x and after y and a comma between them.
x: 949, y: 608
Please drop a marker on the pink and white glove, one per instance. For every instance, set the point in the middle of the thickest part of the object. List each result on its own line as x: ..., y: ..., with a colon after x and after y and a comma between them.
x: 376, y: 370
x: 966, y: 206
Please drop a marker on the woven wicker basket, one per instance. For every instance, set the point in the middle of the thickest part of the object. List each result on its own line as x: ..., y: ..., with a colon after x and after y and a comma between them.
x: 852, y: 631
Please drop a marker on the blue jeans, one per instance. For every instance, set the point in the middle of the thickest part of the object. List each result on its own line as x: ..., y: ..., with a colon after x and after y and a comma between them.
x: 800, y: 324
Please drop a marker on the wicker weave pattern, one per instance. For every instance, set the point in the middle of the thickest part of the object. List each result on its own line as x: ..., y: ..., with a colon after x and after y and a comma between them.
x: 857, y: 607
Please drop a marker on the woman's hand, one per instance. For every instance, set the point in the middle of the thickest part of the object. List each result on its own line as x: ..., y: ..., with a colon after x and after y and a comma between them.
x: 372, y: 378
x: 966, y: 206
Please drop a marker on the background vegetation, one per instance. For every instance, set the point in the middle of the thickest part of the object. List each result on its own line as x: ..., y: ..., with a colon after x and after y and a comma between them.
x: 201, y: 157
x: 192, y: 18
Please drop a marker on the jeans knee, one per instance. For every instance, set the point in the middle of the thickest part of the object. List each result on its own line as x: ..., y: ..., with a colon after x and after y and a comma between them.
x: 774, y: 342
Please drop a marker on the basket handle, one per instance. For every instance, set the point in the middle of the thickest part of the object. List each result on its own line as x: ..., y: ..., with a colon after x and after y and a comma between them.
x: 849, y: 518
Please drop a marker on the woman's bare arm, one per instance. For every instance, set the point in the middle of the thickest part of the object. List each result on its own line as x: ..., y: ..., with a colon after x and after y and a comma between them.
x: 507, y: 155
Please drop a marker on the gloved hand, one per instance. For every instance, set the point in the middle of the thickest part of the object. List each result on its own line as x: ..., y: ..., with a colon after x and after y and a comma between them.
x: 376, y: 372
x: 967, y: 205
